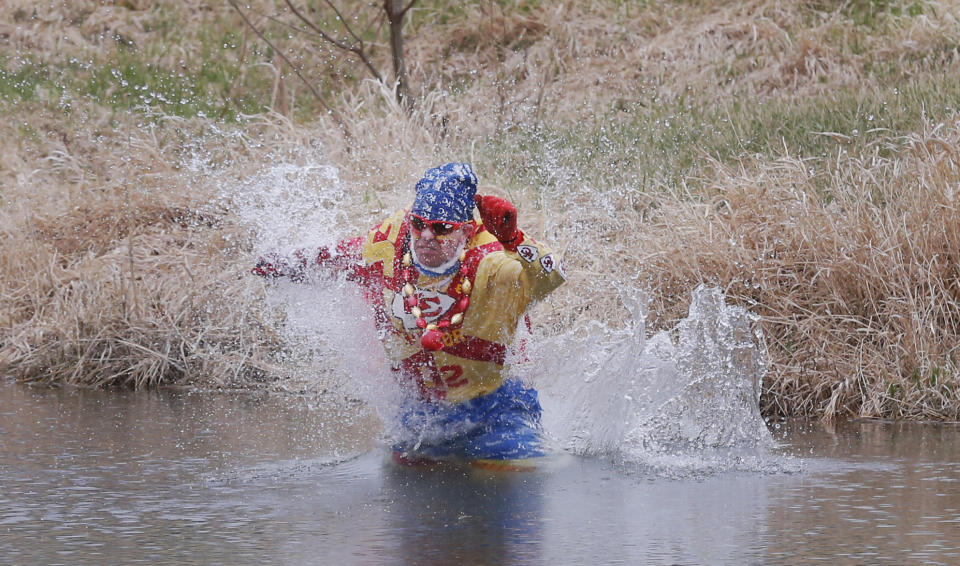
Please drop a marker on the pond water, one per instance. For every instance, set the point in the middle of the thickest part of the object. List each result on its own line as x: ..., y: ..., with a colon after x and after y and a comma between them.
x: 212, y: 478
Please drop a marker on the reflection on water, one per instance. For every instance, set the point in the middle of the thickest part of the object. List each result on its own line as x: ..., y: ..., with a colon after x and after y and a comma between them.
x: 163, y: 478
x: 875, y: 493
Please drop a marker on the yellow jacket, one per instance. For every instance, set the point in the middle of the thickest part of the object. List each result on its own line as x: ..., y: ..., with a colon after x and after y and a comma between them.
x: 504, y: 284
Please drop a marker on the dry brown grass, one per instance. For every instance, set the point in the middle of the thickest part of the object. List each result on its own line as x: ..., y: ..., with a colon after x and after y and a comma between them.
x: 854, y: 270
x: 588, y: 58
x: 151, y: 311
x: 117, y: 271
x: 859, y: 292
x: 81, y: 28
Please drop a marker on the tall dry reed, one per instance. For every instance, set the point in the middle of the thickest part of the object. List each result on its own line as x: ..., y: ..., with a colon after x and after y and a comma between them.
x: 119, y: 268
x: 857, y: 281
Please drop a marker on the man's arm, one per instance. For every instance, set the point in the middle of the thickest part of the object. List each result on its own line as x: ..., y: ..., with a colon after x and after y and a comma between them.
x: 298, y: 265
x: 541, y: 270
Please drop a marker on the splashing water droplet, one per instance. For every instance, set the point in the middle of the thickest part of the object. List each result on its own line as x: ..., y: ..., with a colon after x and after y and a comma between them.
x: 684, y: 403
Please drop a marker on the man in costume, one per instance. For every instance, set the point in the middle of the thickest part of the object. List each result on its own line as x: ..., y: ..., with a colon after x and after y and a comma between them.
x: 448, y: 290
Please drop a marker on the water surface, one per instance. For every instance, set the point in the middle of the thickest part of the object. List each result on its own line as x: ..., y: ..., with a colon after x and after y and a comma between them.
x: 213, y: 478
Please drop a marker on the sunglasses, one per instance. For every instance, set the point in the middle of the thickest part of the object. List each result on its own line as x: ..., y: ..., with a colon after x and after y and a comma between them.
x: 438, y: 227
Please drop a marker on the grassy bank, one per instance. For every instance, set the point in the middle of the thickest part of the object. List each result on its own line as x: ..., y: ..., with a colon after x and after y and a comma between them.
x: 801, y: 155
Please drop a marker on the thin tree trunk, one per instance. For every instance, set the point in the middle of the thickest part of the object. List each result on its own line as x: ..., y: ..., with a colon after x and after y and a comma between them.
x: 395, y: 12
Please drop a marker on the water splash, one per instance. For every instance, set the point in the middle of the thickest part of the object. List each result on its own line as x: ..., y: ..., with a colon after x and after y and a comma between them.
x: 292, y: 205
x: 329, y: 330
x: 682, y: 401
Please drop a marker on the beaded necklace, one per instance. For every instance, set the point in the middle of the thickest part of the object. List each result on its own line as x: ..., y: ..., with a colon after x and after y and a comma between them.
x: 433, y: 332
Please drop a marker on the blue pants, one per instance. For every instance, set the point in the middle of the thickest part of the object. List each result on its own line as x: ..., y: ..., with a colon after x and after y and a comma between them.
x: 503, y: 425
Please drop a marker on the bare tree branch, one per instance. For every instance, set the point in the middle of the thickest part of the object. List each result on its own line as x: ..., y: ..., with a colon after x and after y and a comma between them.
x: 349, y: 41
x: 357, y: 50
x: 395, y: 13
x: 410, y: 5
x: 318, y: 30
x: 333, y: 112
x: 344, y: 21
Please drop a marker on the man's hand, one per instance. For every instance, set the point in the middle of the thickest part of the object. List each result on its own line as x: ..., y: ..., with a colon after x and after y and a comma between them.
x: 271, y: 265
x: 500, y: 218
x: 298, y: 266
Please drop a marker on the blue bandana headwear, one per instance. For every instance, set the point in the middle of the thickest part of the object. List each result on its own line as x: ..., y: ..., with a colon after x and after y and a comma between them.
x: 446, y: 193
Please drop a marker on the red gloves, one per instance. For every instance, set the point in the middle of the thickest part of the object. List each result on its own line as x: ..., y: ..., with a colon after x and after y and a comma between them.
x: 273, y: 265
x: 500, y: 218
x: 302, y: 263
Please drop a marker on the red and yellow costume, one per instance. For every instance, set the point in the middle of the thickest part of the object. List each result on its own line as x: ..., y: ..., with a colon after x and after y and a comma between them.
x: 447, y: 329
x: 503, y: 284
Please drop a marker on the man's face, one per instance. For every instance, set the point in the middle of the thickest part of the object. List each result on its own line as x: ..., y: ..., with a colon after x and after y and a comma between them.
x: 437, y: 242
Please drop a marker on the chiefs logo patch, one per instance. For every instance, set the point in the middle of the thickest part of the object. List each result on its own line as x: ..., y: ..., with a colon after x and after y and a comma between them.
x: 529, y: 253
x: 561, y: 270
x: 548, y: 263
x: 433, y: 304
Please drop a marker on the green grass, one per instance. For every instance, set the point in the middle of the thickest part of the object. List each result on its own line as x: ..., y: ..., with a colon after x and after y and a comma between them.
x: 23, y: 81
x: 441, y: 12
x: 874, y: 15
x: 129, y: 82
x: 216, y: 78
x: 661, y: 143
x: 206, y: 78
x: 656, y: 143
